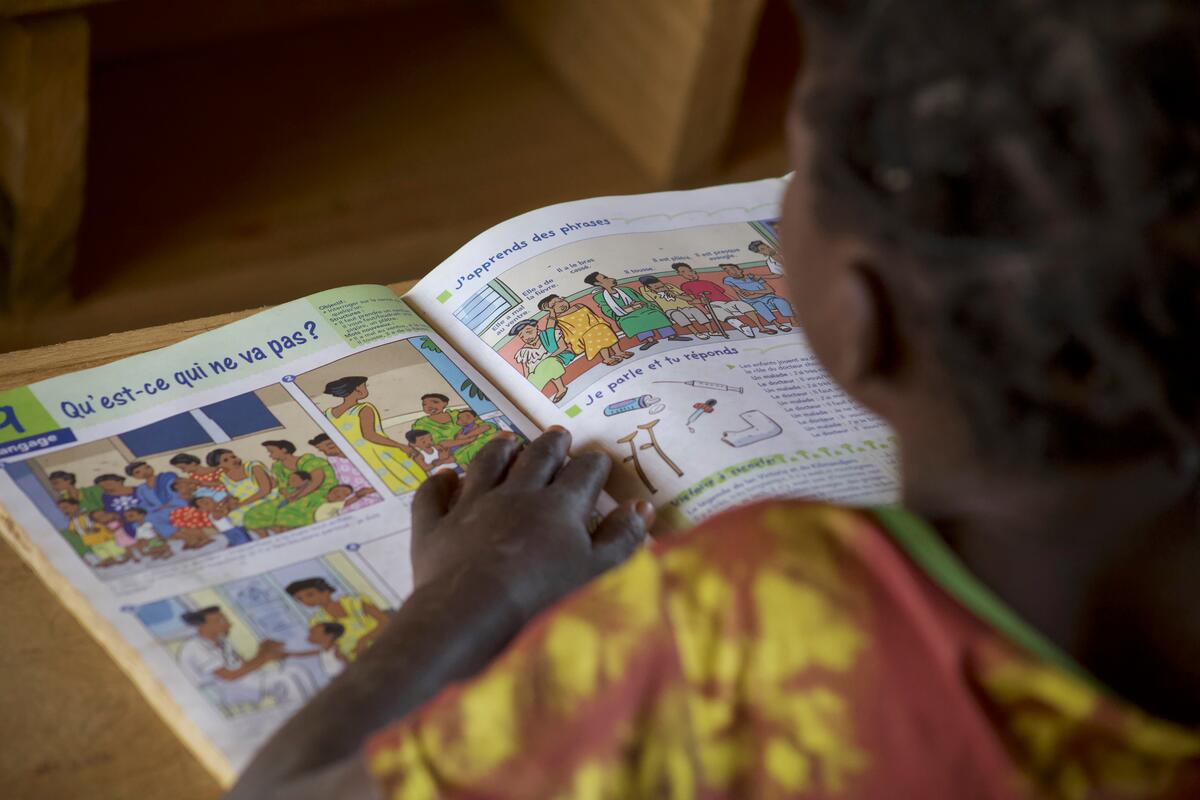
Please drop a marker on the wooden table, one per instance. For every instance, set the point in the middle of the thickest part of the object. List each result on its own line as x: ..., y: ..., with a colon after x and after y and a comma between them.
x: 71, y: 723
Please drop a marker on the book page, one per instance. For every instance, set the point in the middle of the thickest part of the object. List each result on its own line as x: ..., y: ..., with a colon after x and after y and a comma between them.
x: 229, y: 516
x: 658, y: 327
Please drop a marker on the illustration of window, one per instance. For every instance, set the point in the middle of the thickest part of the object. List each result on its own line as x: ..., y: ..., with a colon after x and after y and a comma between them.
x: 486, y: 306
x: 768, y: 231
x: 211, y: 424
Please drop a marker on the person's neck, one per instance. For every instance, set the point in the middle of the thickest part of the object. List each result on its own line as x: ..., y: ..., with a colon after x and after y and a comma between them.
x: 1100, y: 559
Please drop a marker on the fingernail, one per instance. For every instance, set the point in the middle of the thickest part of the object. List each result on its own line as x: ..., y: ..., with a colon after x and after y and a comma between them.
x: 556, y: 429
x: 506, y: 435
x: 645, y: 511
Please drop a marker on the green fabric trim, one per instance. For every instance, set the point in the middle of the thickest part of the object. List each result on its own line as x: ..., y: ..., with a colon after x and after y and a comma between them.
x: 925, y: 547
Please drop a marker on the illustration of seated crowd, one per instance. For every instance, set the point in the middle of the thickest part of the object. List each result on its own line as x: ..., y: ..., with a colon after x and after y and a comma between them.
x: 601, y: 327
x: 219, y: 497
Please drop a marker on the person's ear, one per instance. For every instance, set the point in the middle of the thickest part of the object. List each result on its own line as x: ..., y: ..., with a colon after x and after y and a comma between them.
x: 870, y: 348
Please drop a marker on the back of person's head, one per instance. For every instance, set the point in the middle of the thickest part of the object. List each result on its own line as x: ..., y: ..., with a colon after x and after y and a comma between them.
x: 1028, y: 174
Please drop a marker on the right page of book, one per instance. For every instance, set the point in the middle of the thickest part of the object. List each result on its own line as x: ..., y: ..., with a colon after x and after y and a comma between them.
x: 659, y: 328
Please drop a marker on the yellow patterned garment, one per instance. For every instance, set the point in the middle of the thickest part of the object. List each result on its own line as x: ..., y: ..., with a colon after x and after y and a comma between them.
x: 785, y: 650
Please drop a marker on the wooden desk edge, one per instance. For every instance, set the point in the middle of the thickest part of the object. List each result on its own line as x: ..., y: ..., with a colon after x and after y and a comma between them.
x: 23, y: 367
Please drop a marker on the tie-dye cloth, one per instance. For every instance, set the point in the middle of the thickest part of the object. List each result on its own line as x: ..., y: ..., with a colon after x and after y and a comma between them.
x: 785, y: 650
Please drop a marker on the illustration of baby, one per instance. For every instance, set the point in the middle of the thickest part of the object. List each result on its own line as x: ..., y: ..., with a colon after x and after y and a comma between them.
x: 325, y: 636
x: 337, y: 499
x: 432, y: 458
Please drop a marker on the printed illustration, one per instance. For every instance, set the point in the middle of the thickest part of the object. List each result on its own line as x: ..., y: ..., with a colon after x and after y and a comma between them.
x: 218, y: 476
x: 406, y: 410
x: 271, y: 640
x: 635, y: 404
x: 707, y: 407
x: 721, y: 387
x: 631, y: 440
x: 586, y: 308
x: 758, y: 427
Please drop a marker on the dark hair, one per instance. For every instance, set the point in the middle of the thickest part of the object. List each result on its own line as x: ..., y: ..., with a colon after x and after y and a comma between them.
x: 646, y: 280
x: 59, y: 474
x: 70, y: 500
x: 334, y: 629
x: 319, y: 584
x: 544, y: 303
x: 342, y: 387
x: 525, y: 323
x: 679, y: 264
x: 436, y: 396
x: 136, y: 510
x: 183, y: 458
x: 303, y: 474
x: 753, y: 246
x: 1030, y: 176
x: 415, y: 434
x: 592, y: 278
x: 213, y: 459
x: 467, y: 410
x: 108, y: 476
x: 196, y: 618
x: 729, y: 265
x: 320, y: 438
x: 282, y: 444
x: 132, y: 465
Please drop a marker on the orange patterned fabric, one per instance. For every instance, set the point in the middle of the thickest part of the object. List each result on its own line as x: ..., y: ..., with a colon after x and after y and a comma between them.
x: 786, y: 650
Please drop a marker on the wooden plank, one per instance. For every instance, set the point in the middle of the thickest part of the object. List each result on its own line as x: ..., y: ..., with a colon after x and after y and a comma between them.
x: 43, y: 128
x: 664, y: 77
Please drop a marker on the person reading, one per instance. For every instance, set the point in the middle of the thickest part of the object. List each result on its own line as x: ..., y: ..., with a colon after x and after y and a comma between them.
x: 991, y: 237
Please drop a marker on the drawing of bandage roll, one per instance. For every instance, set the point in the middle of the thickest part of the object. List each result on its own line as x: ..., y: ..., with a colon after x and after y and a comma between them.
x: 759, y: 427
x: 633, y: 404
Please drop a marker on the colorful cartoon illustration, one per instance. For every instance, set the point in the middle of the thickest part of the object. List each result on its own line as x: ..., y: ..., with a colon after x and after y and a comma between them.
x: 414, y: 387
x: 758, y: 427
x: 544, y: 357
x: 584, y: 333
x: 707, y: 407
x: 629, y: 309
x: 755, y: 291
x: 678, y: 306
x: 769, y: 253
x: 271, y: 641
x: 601, y: 302
x: 631, y: 440
x: 188, y: 485
x: 724, y: 308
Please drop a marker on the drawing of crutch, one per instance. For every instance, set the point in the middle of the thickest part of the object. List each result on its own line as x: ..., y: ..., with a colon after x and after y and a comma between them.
x: 649, y: 428
x: 633, y: 456
x: 713, y: 315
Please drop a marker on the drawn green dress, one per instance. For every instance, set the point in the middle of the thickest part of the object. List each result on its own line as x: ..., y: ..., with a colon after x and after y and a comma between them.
x: 442, y: 431
x: 298, y: 513
x: 394, y: 466
x: 259, y: 514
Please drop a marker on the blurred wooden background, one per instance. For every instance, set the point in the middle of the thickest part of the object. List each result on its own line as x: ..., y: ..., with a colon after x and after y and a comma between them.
x: 234, y: 153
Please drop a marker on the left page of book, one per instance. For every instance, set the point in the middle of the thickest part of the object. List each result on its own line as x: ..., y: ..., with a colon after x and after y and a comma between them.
x: 229, y: 516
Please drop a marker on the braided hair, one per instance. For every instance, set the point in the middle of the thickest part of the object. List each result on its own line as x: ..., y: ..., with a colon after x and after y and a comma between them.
x: 1029, y: 171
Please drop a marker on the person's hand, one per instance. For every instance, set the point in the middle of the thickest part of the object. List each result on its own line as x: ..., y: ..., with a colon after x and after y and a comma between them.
x: 271, y: 650
x: 518, y: 522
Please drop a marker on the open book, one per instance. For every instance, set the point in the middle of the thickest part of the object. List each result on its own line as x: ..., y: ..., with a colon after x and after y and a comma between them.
x: 229, y: 516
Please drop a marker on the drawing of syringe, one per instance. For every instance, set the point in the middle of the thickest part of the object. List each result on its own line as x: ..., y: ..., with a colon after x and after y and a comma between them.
x: 721, y: 387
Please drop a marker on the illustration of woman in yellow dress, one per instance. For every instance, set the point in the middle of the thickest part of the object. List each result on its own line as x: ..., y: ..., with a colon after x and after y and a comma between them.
x: 585, y: 333
x: 360, y: 423
x: 359, y: 618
